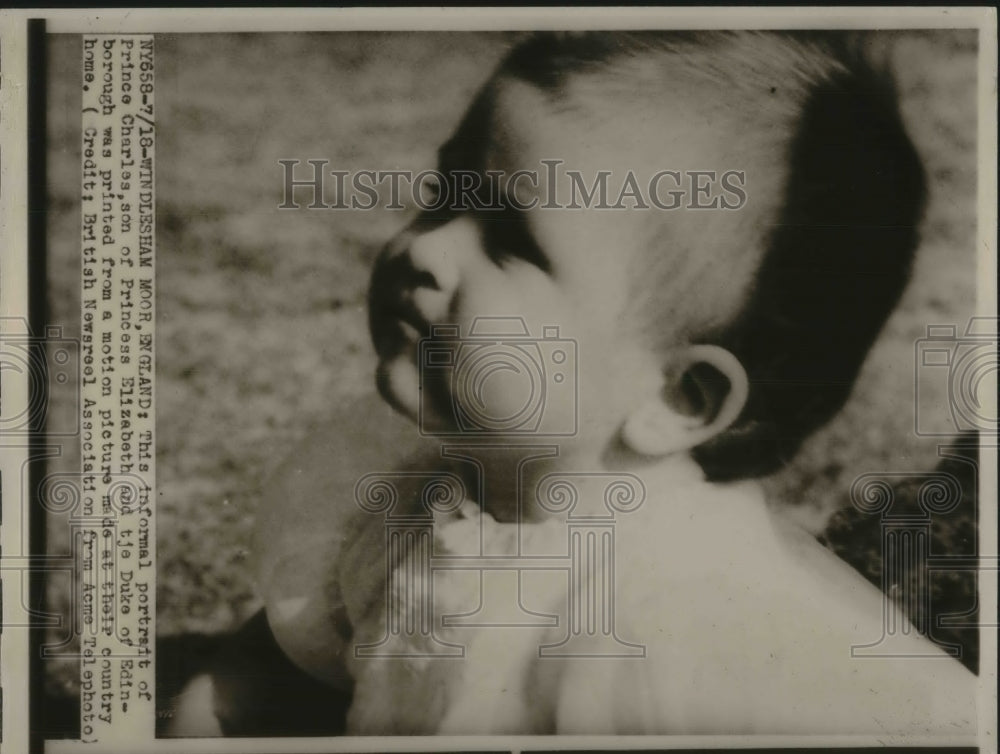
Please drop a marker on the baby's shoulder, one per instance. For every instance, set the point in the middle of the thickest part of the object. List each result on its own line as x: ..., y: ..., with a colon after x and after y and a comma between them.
x: 730, y: 600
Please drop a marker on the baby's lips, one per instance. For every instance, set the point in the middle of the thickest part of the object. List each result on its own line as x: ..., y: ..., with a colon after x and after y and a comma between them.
x: 396, y: 329
x: 398, y: 382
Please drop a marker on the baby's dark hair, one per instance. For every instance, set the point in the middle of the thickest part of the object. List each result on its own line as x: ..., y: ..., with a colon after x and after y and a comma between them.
x: 836, y: 265
x: 838, y: 249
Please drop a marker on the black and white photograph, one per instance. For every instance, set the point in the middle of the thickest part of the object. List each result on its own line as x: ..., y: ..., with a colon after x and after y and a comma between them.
x: 481, y: 380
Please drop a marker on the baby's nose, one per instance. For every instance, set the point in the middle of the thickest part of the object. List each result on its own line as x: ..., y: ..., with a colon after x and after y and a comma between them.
x: 438, y: 256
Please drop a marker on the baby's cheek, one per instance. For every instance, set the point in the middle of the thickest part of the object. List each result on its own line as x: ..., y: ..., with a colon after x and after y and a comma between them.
x: 513, y: 289
x: 497, y: 392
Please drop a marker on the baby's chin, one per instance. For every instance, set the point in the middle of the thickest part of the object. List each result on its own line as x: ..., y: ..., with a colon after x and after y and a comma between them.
x: 398, y: 382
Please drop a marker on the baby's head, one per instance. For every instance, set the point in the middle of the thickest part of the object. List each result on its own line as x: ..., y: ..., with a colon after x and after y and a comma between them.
x: 760, y: 201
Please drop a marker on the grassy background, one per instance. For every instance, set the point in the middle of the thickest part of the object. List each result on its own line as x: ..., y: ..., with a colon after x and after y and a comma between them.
x: 261, y: 320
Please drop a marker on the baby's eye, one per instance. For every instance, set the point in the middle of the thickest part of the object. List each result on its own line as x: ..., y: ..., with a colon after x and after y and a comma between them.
x: 506, y: 236
x: 429, y: 189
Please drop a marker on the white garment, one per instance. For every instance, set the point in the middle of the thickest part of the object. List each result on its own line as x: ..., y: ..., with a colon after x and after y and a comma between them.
x: 744, y: 627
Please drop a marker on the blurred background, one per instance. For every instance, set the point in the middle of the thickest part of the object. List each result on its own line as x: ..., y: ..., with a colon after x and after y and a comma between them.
x: 261, y: 324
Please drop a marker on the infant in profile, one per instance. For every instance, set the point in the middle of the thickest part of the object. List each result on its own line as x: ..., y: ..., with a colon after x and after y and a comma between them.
x: 702, y: 345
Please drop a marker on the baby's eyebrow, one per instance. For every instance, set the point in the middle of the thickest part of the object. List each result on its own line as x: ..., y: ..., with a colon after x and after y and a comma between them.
x: 446, y: 156
x: 460, y: 154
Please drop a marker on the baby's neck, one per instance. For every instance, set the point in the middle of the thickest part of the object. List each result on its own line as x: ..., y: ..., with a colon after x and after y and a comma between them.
x: 677, y: 487
x: 673, y: 492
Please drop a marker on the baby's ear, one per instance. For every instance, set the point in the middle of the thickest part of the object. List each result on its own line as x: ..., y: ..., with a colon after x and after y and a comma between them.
x: 704, y: 392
